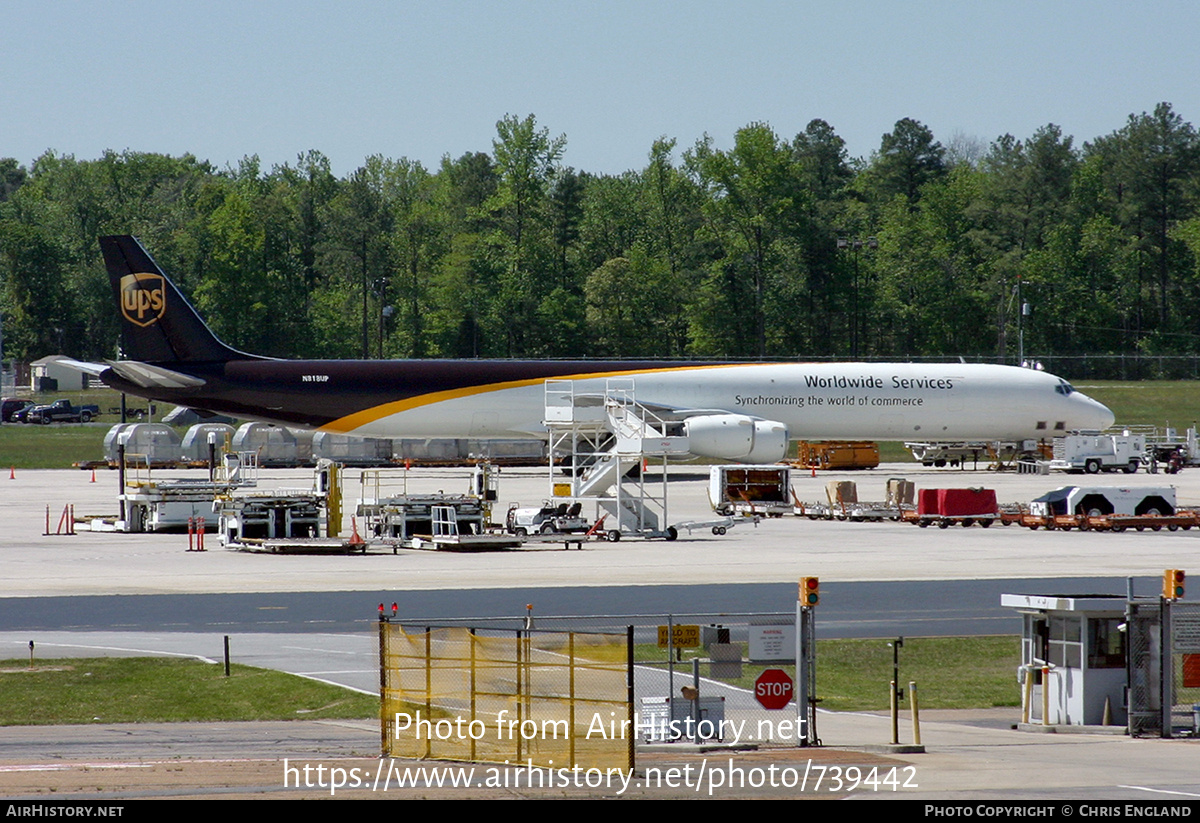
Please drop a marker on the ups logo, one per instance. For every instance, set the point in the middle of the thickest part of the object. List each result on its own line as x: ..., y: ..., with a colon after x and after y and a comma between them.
x: 143, y: 298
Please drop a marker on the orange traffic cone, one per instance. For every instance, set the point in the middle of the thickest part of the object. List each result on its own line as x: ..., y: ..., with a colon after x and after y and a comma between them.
x: 93, y: 475
x: 12, y: 473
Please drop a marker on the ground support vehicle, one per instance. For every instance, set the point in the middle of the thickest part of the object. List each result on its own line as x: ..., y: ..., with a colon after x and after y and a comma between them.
x: 998, y: 454
x: 1096, y: 501
x: 1103, y: 508
x: 837, y: 454
x: 548, y: 519
x: 1175, y: 452
x: 1094, y: 453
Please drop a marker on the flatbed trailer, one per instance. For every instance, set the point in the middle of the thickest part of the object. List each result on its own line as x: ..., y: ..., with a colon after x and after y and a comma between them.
x: 856, y: 512
x: 1112, y: 522
x: 489, y: 541
x: 718, y: 526
x: 945, y: 521
x: 299, y: 545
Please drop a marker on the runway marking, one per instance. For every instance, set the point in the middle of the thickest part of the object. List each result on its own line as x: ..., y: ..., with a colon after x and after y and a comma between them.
x: 62, y: 767
x: 327, y: 651
x: 199, y: 657
x: 147, y: 764
x: 1160, y: 791
x: 374, y: 692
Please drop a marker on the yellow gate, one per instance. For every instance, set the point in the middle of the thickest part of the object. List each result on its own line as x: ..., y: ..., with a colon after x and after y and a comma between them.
x: 550, y: 699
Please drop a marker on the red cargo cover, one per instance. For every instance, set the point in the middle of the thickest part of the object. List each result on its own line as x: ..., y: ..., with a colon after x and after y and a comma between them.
x: 966, y: 502
x: 956, y: 502
x: 927, y: 501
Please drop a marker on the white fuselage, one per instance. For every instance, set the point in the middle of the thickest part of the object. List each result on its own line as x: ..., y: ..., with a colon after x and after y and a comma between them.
x: 868, y: 401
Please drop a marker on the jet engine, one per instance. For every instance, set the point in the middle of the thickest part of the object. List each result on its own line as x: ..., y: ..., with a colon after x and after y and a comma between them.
x: 737, y: 437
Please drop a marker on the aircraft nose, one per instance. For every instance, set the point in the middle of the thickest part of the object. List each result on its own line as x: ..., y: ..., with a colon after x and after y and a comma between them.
x: 1093, y: 412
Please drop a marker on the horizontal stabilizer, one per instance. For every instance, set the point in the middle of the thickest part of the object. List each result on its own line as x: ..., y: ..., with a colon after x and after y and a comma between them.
x: 153, y: 377
x: 80, y: 365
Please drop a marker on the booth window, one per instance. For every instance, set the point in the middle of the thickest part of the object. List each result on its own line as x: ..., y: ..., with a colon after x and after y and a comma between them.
x: 1106, y: 644
x: 1066, y: 645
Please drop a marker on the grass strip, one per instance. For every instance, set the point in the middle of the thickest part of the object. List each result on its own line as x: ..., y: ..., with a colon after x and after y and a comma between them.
x: 853, y: 675
x: 158, y: 690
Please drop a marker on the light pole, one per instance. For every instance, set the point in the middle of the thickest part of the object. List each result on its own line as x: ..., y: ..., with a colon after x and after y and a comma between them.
x: 855, y: 245
x: 385, y: 311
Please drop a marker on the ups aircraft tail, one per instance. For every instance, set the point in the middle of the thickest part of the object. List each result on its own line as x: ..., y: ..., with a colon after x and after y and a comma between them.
x: 158, y: 325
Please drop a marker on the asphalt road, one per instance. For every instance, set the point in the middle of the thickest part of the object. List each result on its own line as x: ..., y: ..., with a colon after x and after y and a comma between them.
x: 847, y: 609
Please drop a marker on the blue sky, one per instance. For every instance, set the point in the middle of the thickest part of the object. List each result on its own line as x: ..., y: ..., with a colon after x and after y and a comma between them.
x: 225, y: 79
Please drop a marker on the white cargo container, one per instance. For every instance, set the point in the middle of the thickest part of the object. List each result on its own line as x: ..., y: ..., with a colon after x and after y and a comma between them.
x: 1095, y: 501
x: 740, y: 489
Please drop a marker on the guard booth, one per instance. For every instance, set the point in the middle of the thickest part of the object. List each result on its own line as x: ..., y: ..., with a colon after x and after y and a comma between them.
x: 1074, y: 648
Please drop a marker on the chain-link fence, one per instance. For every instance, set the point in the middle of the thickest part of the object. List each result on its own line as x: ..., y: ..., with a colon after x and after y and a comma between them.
x: 1150, y: 668
x: 1185, y: 665
x: 1145, y: 686
x: 704, y: 679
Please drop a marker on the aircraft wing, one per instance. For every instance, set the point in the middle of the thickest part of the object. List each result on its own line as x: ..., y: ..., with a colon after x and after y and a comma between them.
x: 660, y: 410
x: 675, y: 414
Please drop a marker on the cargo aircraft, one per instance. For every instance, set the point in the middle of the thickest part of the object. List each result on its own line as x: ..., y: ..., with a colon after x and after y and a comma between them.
x: 740, y: 412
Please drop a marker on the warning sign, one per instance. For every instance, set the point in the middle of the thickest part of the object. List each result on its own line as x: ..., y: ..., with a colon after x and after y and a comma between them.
x: 687, y: 636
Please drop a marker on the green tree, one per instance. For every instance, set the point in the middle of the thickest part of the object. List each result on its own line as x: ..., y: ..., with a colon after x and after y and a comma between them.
x: 417, y: 241
x: 361, y: 224
x: 932, y: 286
x: 632, y: 303
x: 826, y: 175
x: 1025, y: 191
x: 754, y: 200
x: 526, y: 160
x: 907, y: 159
x: 1152, y: 164
x: 12, y: 177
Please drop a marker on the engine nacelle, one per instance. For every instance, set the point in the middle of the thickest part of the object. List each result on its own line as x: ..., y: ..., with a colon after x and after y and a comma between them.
x: 737, y: 437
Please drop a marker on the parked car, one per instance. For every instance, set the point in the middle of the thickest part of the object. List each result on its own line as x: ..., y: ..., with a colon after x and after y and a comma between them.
x: 10, y: 407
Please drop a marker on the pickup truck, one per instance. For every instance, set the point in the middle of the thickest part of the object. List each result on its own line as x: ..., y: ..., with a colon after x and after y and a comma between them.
x: 61, y: 411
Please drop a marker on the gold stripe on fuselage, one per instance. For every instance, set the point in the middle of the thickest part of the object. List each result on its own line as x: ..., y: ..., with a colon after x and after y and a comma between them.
x: 351, y: 422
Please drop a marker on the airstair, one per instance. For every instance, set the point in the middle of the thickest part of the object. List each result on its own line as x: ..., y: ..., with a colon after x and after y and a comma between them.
x: 604, y: 442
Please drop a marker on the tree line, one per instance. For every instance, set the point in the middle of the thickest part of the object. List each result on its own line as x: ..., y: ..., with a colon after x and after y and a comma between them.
x: 775, y: 247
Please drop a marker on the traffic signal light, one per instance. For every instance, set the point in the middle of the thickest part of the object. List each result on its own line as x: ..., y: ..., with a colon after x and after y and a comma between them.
x: 810, y: 591
x: 1173, y: 580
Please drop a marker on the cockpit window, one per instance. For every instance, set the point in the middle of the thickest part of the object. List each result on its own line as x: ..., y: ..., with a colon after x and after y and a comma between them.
x: 1064, y: 388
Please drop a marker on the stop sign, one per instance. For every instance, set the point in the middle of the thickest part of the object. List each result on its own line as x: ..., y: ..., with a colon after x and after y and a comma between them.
x: 773, y: 688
